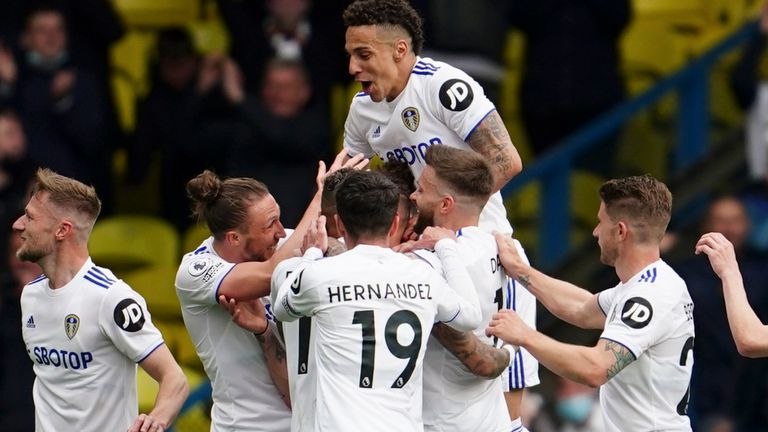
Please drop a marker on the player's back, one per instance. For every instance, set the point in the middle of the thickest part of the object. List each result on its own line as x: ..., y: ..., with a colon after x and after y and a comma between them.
x: 652, y: 316
x: 454, y: 398
x: 374, y: 311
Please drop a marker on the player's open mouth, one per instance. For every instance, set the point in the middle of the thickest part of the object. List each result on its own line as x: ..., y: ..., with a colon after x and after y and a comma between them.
x: 366, y: 86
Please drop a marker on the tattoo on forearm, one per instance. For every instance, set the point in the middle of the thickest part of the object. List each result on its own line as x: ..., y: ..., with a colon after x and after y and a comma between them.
x: 623, y: 357
x: 492, y: 140
x: 481, y: 359
x: 277, y: 349
x: 524, y: 280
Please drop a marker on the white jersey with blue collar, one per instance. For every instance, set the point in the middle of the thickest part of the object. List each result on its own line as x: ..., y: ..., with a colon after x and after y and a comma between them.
x: 85, y: 340
x: 439, y: 105
x: 652, y: 316
x: 244, y: 395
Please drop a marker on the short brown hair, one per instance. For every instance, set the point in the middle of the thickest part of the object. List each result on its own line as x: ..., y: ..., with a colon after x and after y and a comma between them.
x: 393, y: 13
x: 465, y: 172
x: 646, y: 203
x: 223, y: 204
x: 367, y: 203
x: 68, y: 193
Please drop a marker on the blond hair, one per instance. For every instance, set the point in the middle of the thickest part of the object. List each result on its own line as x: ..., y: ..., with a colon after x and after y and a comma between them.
x: 68, y: 194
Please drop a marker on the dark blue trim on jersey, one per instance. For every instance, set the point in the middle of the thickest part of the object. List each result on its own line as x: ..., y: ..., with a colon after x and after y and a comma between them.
x: 37, y: 279
x: 421, y: 64
x: 200, y: 249
x: 100, y: 276
x: 454, y: 317
x: 101, y: 272
x: 216, y: 291
x: 599, y: 306
x: 362, y: 93
x: 459, y: 233
x: 649, y: 276
x: 95, y: 282
x: 162, y: 342
x: 615, y: 341
x: 518, y: 429
x: 478, y: 124
x: 422, y: 73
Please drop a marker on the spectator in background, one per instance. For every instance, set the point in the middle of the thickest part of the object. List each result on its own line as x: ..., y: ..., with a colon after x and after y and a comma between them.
x: 17, y: 410
x: 61, y: 104
x: 289, y: 30
x: 578, y: 408
x: 16, y: 170
x: 190, y: 119
x: 289, y: 135
x: 740, y: 392
x: 571, y: 72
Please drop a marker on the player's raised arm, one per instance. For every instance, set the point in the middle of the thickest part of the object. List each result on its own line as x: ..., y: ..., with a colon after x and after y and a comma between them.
x: 492, y: 140
x: 481, y: 359
x: 469, y: 316
x: 565, y: 300
x: 173, y: 391
x: 750, y: 335
x: 592, y: 366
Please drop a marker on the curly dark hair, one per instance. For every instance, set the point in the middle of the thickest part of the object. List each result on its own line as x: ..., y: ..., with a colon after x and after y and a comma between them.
x: 387, y: 12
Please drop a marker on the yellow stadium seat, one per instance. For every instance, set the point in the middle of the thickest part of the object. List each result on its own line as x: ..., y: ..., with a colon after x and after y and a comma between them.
x: 129, y: 59
x: 157, y: 13
x: 193, y: 236
x: 209, y: 36
x: 128, y: 242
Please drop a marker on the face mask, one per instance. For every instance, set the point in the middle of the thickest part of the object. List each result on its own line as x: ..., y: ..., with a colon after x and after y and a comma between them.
x: 35, y: 59
x: 575, y: 409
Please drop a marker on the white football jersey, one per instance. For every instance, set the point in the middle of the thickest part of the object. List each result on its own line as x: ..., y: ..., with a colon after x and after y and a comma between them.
x: 299, y: 340
x: 373, y: 310
x: 454, y: 398
x: 439, y: 105
x: 85, y: 340
x: 652, y: 316
x: 523, y: 371
x: 244, y: 396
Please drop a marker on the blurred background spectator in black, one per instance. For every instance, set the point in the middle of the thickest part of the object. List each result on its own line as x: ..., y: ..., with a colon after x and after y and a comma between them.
x: 16, y: 170
x: 294, y: 30
x: 61, y: 104
x: 17, y: 411
x: 726, y: 389
x: 571, y: 70
x: 289, y: 135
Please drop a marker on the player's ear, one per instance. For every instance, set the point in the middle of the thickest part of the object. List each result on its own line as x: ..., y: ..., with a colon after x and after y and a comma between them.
x: 622, y: 230
x: 394, y: 226
x: 339, y: 225
x: 401, y: 49
x: 232, y: 238
x: 447, y: 203
x: 64, y: 230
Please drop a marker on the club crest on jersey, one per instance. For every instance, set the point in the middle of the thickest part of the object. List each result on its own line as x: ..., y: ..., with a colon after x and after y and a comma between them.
x: 637, y: 312
x: 71, y: 325
x: 411, y: 118
x: 199, y: 266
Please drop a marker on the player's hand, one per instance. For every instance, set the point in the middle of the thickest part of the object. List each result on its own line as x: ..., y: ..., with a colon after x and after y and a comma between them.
x: 437, y: 233
x: 342, y: 160
x: 510, y: 259
x: 249, y: 315
x: 507, y: 326
x: 146, y: 423
x: 720, y: 252
x: 316, y: 236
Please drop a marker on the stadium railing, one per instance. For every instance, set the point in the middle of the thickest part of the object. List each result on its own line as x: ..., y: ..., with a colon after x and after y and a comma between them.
x: 553, y: 170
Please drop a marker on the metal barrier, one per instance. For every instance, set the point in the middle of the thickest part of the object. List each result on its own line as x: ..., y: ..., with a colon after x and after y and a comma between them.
x: 554, y: 169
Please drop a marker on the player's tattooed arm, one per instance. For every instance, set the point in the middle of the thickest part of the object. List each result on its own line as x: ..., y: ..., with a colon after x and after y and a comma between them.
x: 492, y: 140
x: 481, y: 359
x: 274, y: 354
x: 622, y: 358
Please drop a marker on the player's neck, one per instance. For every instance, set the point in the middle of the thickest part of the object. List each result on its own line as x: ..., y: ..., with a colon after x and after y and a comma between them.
x: 457, y: 220
x: 405, y: 66
x: 226, y: 253
x: 62, y: 265
x: 639, y: 257
x: 368, y: 241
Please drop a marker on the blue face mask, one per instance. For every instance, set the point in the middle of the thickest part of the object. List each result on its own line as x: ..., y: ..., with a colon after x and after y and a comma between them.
x: 575, y: 409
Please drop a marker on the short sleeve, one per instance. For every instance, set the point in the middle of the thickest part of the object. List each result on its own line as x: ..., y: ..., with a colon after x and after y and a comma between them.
x: 297, y: 295
x: 199, y: 278
x: 605, y: 300
x: 639, y: 320
x: 458, y: 101
x: 448, y: 306
x: 125, y: 320
x: 354, y: 137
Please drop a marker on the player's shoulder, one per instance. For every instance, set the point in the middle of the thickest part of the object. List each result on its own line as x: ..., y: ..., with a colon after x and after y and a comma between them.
x: 658, y: 278
x: 100, y: 279
x: 36, y: 282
